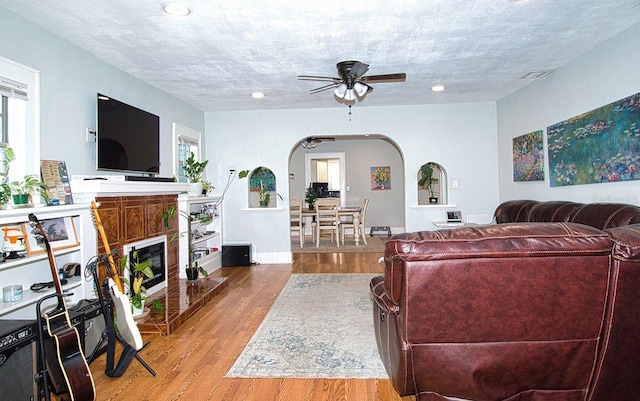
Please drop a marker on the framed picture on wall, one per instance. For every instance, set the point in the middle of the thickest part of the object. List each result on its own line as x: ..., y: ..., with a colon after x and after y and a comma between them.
x: 380, y: 178
x: 61, y: 233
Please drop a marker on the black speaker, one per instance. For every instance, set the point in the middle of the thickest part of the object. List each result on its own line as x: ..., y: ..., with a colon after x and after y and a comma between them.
x: 18, y: 363
x: 236, y: 255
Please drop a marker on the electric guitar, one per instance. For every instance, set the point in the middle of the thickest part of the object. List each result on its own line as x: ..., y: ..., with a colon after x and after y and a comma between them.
x: 69, y: 353
x: 124, y: 321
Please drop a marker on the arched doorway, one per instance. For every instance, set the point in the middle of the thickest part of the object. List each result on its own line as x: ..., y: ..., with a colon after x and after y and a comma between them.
x: 361, y: 154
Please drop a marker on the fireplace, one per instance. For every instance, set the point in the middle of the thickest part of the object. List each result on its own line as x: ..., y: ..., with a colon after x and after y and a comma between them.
x: 154, y: 250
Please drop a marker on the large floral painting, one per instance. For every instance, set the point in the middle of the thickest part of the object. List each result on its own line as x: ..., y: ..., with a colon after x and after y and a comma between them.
x: 380, y: 178
x: 602, y: 145
x: 528, y: 157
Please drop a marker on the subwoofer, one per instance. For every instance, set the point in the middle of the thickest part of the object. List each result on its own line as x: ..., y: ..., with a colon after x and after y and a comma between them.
x: 18, y: 359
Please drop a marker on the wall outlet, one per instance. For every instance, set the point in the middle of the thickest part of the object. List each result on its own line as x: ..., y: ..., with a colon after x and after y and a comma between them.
x: 455, y: 183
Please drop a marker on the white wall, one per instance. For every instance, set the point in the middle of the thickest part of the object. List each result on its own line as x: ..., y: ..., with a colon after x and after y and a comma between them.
x: 460, y: 137
x: 603, y: 75
x: 69, y: 81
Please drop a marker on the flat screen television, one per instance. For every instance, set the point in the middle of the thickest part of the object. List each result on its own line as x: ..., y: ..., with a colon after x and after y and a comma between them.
x: 127, y: 138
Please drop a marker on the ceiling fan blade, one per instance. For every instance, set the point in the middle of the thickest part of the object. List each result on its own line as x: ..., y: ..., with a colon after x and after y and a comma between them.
x: 323, y: 138
x: 318, y: 78
x: 359, y: 69
x: 324, y: 88
x: 401, y: 77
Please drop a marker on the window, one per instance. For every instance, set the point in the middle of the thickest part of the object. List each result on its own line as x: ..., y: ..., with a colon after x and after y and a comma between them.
x: 20, y: 116
x: 186, y: 141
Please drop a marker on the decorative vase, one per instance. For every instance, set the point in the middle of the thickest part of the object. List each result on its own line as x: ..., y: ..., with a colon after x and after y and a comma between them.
x: 195, y: 189
x: 192, y: 273
x: 433, y: 201
x: 264, y: 203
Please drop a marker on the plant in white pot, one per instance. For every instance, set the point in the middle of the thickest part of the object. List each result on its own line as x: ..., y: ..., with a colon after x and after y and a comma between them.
x: 138, y: 293
x: 193, y: 169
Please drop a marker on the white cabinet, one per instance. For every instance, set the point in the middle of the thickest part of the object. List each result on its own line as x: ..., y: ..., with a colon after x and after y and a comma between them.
x: 34, y: 267
x: 206, y: 239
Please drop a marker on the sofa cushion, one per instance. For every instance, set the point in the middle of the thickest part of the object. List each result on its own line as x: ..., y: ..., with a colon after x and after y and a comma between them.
x: 606, y: 215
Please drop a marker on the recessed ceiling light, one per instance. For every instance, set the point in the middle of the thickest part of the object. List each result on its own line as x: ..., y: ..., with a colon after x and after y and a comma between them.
x: 437, y: 88
x: 176, y: 9
x: 257, y: 95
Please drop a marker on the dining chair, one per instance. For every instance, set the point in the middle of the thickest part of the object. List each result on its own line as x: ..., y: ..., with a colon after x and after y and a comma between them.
x: 327, y: 218
x: 348, y: 224
x: 295, y: 216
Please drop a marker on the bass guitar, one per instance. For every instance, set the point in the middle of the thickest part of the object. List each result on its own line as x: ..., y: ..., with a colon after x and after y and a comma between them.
x: 125, y: 323
x: 70, y: 357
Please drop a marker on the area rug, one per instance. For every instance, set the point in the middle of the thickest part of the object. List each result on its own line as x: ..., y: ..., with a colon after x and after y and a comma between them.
x: 375, y: 243
x: 320, y: 326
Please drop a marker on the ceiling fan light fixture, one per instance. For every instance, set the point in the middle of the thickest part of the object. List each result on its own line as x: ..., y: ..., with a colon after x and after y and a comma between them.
x: 350, y: 95
x: 360, y: 89
x: 340, y: 90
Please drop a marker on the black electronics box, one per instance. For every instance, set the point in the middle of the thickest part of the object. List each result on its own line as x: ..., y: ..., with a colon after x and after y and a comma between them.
x: 236, y: 255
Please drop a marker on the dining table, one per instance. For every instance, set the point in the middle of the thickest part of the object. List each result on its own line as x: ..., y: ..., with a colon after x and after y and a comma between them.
x: 346, y: 211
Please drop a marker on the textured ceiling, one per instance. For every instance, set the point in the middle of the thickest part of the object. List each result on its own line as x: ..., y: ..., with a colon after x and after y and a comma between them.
x: 214, y: 58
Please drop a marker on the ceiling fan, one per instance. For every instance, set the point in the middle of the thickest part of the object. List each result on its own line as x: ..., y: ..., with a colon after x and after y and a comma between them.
x: 311, y: 142
x: 351, y: 82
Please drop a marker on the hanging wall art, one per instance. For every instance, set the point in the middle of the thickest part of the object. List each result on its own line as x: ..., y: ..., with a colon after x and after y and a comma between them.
x: 602, y: 145
x: 528, y: 157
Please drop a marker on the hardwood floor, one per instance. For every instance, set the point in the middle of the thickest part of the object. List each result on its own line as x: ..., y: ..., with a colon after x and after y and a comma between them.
x: 191, y: 363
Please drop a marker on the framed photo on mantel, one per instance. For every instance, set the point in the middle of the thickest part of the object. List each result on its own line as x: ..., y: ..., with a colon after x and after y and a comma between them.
x: 55, y: 177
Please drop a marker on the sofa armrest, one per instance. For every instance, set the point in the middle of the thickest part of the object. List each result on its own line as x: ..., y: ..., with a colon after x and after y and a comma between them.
x: 380, y: 296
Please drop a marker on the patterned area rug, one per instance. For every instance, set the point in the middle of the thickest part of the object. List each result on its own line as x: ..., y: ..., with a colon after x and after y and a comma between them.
x: 321, y: 326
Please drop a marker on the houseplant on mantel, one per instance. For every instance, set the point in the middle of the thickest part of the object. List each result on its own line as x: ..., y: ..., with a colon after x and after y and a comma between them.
x: 193, y: 169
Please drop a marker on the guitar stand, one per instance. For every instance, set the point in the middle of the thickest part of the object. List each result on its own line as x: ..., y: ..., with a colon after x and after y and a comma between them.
x: 111, y: 335
x: 42, y: 375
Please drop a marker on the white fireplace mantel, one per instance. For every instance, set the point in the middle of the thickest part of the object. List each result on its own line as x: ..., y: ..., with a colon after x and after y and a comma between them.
x: 84, y: 191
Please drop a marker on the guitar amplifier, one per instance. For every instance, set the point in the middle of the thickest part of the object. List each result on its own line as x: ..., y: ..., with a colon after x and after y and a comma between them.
x: 87, y: 318
x: 18, y: 359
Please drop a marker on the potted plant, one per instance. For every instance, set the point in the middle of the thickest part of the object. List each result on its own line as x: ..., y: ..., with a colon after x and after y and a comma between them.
x: 206, y: 187
x: 22, y: 190
x: 193, y: 169
x: 310, y: 196
x: 7, y: 156
x: 138, y: 271
x: 428, y: 181
x: 192, y: 269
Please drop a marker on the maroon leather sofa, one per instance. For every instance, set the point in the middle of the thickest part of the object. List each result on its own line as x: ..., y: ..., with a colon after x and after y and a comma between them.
x: 544, y: 305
